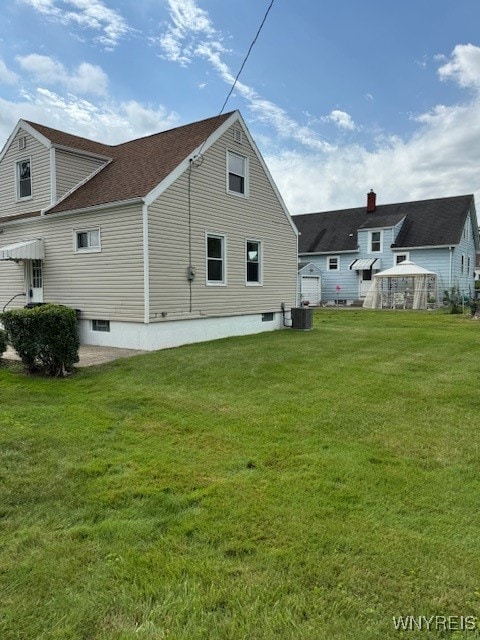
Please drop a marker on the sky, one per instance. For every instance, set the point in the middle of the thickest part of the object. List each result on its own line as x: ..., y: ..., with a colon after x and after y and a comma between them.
x: 341, y: 96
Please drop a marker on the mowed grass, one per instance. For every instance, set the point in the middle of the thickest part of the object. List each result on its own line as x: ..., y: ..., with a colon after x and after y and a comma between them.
x: 292, y: 485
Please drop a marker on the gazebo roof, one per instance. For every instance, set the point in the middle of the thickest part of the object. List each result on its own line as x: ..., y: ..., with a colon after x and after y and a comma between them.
x: 404, y: 269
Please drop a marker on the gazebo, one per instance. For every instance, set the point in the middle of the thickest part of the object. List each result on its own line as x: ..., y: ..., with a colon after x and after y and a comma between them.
x: 405, y: 286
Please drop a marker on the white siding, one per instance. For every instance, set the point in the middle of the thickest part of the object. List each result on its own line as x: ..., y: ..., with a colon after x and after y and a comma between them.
x: 71, y: 169
x: 105, y: 285
x: 39, y: 157
x: 212, y: 210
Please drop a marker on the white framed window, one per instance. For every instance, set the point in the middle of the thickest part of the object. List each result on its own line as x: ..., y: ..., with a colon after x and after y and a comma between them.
x: 86, y: 240
x: 462, y: 264
x: 400, y: 257
x: 24, y: 179
x: 253, y: 262
x: 333, y: 263
x: 216, y: 259
x: 468, y: 265
x: 375, y: 242
x: 237, y: 174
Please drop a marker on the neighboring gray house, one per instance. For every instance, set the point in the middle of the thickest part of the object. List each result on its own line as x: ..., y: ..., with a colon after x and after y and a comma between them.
x: 350, y: 246
x: 173, y: 238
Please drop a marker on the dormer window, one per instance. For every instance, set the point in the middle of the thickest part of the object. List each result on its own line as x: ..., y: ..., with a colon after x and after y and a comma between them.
x: 24, y: 179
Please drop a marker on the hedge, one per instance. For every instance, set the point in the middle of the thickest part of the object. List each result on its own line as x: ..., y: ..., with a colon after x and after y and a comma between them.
x: 3, y: 342
x: 45, y: 337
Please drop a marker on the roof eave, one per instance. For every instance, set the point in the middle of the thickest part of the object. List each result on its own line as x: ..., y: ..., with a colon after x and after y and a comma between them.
x: 327, y: 253
x: 96, y: 207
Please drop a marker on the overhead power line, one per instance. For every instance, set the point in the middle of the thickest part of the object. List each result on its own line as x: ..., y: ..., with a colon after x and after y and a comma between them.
x: 246, y: 57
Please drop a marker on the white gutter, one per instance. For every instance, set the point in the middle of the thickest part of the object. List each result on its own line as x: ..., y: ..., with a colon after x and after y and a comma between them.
x: 93, y: 208
x: 423, y: 246
x: 146, y: 266
x: 450, y: 273
x: 328, y: 253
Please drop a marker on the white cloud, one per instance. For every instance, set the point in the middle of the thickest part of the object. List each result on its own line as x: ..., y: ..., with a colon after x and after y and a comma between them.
x: 111, y: 123
x: 191, y: 34
x: 188, y: 21
x: 7, y: 76
x: 463, y: 67
x: 86, y: 79
x: 87, y: 14
x: 341, y: 119
x: 441, y: 159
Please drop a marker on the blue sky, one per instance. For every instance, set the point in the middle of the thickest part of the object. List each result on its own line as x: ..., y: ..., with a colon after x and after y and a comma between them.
x: 341, y: 96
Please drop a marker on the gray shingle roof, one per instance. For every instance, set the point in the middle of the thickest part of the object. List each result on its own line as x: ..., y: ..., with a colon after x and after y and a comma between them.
x: 439, y: 221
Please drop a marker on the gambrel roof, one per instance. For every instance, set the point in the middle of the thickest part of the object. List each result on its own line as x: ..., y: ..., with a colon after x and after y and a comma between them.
x: 424, y: 223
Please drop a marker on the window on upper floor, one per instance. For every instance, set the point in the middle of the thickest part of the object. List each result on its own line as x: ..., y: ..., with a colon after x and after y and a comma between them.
x: 216, y: 259
x: 237, y: 174
x: 333, y: 263
x: 24, y: 179
x: 87, y: 241
x: 375, y: 241
x: 253, y: 260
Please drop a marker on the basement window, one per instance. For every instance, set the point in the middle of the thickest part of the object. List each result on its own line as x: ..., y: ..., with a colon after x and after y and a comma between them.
x: 101, y: 325
x: 267, y: 317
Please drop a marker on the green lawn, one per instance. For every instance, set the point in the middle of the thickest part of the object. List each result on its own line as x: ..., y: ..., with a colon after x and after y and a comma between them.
x: 291, y: 485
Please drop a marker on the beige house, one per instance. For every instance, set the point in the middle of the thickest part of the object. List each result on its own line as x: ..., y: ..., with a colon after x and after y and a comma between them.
x: 173, y: 238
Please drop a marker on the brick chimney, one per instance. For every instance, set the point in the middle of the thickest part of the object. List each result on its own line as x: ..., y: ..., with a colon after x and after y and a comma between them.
x: 371, y: 201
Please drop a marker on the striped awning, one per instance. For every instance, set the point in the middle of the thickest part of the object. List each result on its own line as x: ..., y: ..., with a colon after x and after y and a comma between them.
x: 25, y: 250
x: 365, y: 264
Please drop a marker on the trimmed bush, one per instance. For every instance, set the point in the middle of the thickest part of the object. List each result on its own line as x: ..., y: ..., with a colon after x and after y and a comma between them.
x: 3, y: 342
x: 45, y: 337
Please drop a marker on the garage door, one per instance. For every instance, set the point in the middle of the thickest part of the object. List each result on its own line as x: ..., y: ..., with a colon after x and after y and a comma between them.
x: 310, y: 289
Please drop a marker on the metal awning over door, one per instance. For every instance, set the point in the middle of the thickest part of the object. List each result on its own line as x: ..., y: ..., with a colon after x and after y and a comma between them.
x: 365, y: 264
x: 25, y: 250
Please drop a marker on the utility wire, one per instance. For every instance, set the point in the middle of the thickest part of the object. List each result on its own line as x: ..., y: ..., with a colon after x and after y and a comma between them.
x: 238, y: 74
x: 246, y: 57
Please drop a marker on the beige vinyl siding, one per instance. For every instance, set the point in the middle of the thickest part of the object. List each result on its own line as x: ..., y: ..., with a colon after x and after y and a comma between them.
x: 106, y: 285
x: 12, y: 280
x: 71, y: 169
x: 39, y: 157
x: 260, y: 217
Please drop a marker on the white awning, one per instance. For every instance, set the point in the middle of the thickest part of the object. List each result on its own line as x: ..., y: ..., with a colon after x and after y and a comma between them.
x: 26, y: 250
x: 365, y: 264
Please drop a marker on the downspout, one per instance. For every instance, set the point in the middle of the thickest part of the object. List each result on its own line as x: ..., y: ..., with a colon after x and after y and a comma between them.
x: 450, y: 274
x: 146, y: 266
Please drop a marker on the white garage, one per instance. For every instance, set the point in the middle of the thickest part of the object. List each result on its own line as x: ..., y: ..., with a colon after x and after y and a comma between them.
x: 309, y: 284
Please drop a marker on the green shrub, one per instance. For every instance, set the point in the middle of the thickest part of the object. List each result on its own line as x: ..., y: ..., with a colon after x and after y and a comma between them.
x: 45, y: 337
x: 454, y: 299
x: 3, y: 342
